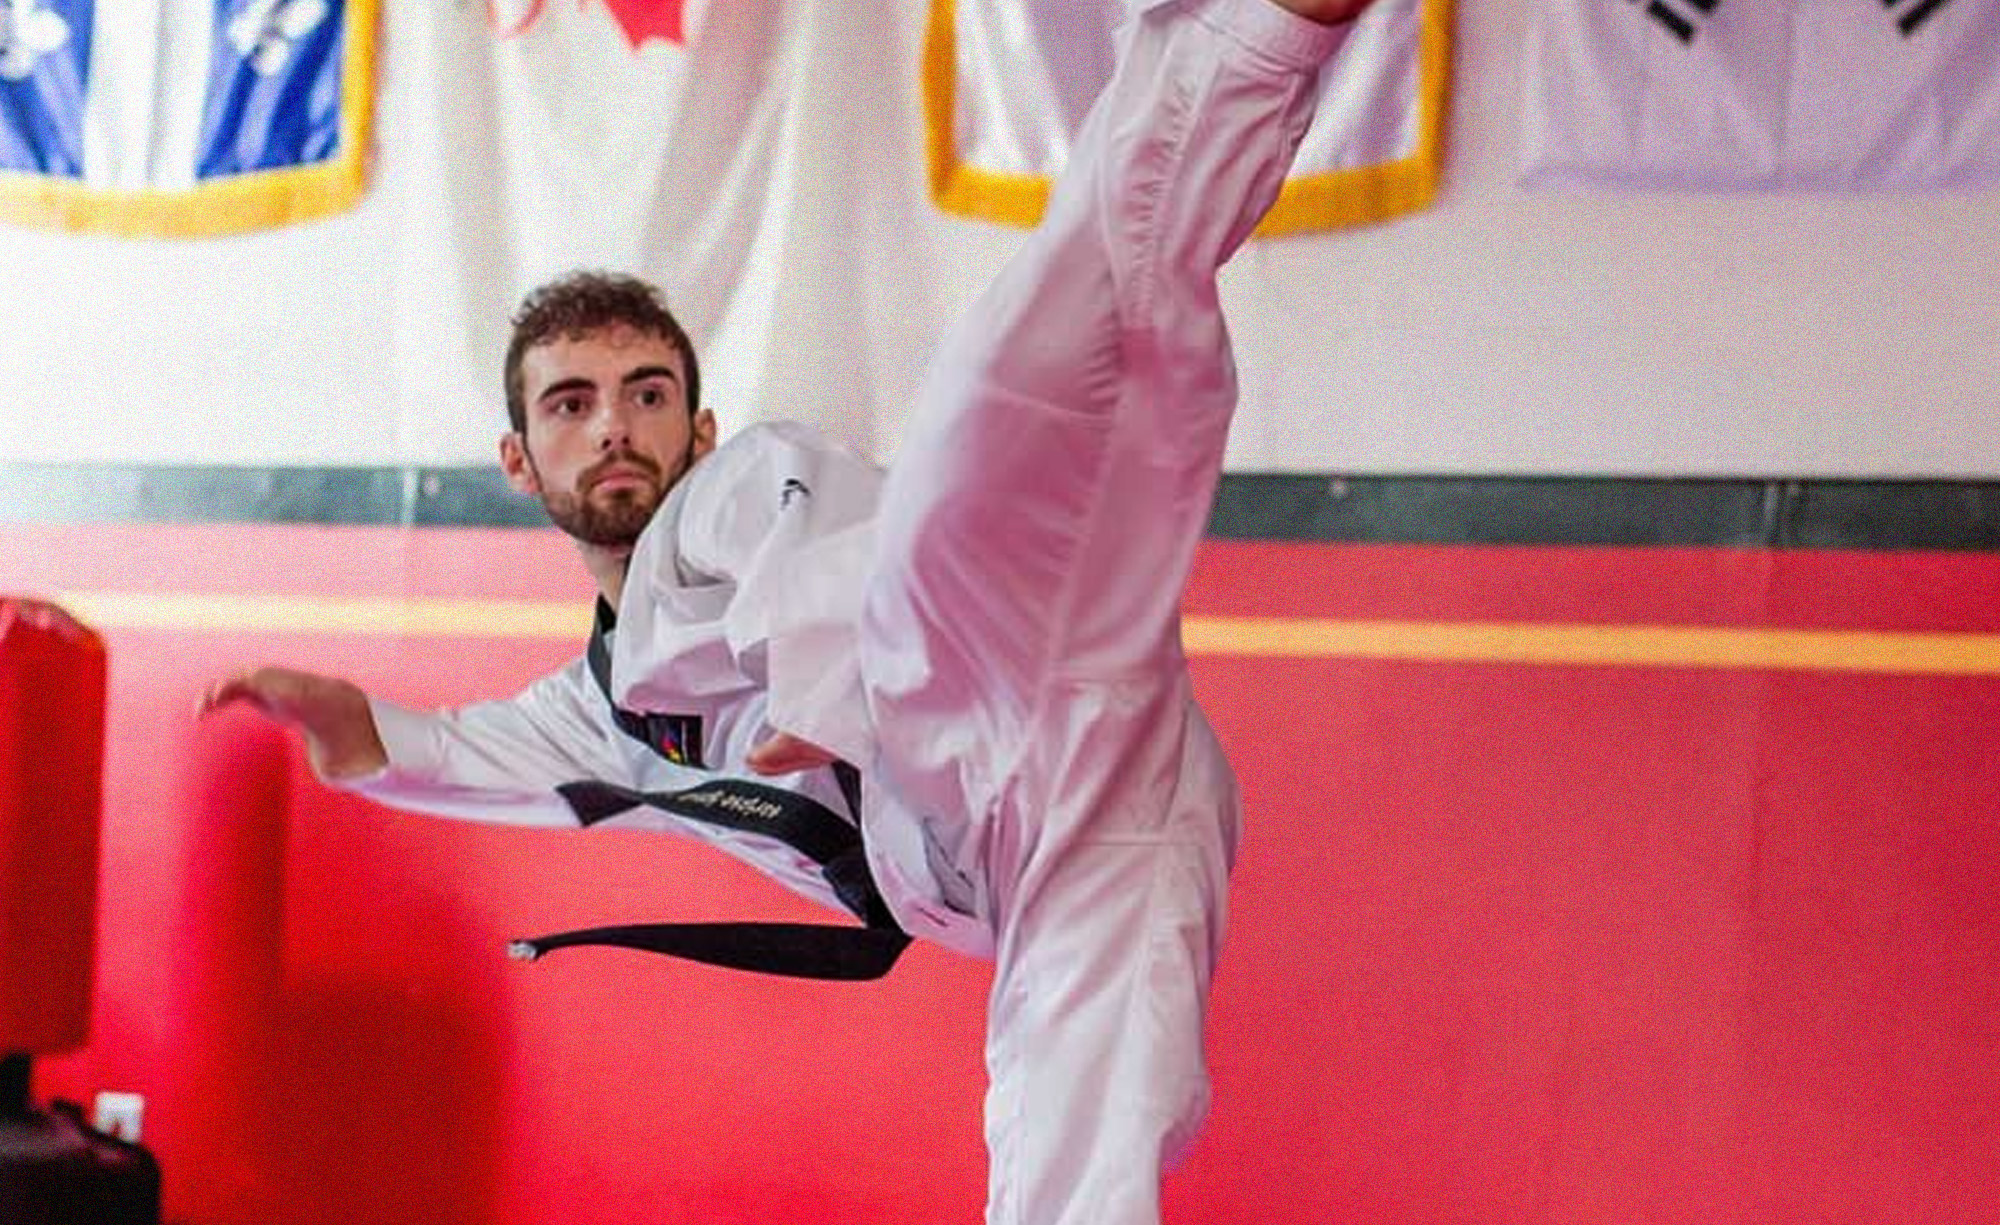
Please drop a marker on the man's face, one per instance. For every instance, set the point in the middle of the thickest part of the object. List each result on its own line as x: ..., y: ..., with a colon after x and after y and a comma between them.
x: 608, y: 432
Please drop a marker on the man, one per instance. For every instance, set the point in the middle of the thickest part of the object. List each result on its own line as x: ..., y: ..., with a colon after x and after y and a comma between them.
x: 990, y: 633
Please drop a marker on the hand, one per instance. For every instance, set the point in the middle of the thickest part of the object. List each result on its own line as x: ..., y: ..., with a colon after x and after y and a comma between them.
x: 331, y: 714
x: 787, y: 754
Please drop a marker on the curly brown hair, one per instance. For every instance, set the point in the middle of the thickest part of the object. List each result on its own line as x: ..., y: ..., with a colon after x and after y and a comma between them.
x: 584, y: 302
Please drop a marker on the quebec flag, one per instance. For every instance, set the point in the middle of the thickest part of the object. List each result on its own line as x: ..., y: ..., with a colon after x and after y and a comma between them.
x: 182, y: 118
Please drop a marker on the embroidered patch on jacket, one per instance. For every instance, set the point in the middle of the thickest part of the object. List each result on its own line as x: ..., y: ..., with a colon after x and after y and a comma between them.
x: 678, y: 739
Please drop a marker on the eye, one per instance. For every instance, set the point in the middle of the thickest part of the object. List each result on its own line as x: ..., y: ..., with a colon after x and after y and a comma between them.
x: 569, y: 406
x: 651, y: 396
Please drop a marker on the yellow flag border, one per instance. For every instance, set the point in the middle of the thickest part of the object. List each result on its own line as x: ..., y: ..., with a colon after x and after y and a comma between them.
x: 259, y: 200
x: 1358, y: 196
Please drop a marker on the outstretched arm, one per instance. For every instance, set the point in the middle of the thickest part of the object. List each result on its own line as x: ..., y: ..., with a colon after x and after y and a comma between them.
x: 495, y: 761
x: 331, y: 714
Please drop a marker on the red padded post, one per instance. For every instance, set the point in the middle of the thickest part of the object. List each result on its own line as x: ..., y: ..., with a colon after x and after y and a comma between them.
x: 52, y: 686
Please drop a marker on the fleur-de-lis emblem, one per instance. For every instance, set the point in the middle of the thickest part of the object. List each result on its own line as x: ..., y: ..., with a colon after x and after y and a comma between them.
x: 266, y: 32
x: 27, y: 33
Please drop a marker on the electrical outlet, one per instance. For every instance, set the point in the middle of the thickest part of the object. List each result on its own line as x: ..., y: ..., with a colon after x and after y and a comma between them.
x: 119, y: 1114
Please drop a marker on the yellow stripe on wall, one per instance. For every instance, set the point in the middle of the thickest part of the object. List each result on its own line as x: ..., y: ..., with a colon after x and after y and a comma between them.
x: 1655, y: 646
x: 263, y: 614
x: 1659, y: 646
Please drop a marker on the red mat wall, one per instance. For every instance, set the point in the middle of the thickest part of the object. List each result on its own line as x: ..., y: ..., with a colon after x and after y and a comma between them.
x: 1512, y: 943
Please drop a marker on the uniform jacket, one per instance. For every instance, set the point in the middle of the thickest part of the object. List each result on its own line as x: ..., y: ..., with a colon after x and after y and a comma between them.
x: 738, y: 618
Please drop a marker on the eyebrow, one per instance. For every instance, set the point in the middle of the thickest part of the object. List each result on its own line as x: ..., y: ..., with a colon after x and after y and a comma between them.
x: 650, y: 372
x: 566, y: 385
x: 642, y: 374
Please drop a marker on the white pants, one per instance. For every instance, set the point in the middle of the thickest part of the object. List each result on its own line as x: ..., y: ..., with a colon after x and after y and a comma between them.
x: 1021, y: 641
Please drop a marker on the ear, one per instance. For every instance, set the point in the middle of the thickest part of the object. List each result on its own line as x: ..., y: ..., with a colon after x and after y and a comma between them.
x: 519, y: 467
x: 704, y: 434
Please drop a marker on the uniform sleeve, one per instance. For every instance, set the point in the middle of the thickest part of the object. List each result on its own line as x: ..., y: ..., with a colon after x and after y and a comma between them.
x: 495, y: 761
x: 785, y: 517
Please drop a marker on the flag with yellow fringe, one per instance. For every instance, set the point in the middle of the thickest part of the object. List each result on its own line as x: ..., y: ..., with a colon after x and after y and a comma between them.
x: 1007, y: 84
x: 183, y: 118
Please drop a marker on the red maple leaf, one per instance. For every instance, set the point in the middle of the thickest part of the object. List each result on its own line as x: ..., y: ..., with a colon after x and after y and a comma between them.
x: 640, y: 19
x: 644, y: 19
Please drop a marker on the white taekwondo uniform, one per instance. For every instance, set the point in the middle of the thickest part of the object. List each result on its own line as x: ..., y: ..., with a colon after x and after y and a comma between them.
x: 991, y: 632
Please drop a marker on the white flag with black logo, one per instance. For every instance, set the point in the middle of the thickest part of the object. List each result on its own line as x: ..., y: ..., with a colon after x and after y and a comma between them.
x: 1745, y: 94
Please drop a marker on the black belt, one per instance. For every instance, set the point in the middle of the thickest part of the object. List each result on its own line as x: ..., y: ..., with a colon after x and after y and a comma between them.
x: 796, y: 950
x: 793, y: 950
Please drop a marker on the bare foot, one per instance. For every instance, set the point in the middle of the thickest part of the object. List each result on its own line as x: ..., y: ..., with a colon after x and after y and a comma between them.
x: 1326, y: 12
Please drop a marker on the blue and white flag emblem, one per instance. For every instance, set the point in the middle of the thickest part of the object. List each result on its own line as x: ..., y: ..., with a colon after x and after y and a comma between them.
x: 44, y: 62
x: 183, y: 117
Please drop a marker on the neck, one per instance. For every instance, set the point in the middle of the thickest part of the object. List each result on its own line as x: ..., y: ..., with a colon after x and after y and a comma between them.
x: 607, y: 566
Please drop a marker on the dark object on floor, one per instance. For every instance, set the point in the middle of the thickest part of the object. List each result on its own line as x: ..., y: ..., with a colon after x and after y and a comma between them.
x: 56, y: 1170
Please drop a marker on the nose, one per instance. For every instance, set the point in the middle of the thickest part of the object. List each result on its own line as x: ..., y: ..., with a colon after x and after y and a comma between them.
x: 614, y: 427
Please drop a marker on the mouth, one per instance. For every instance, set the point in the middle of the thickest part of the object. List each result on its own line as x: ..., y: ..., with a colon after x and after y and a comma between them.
x: 623, y: 476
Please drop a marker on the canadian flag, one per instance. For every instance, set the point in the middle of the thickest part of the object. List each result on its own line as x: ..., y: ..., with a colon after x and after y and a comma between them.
x: 730, y: 152
x: 585, y: 123
x: 541, y: 136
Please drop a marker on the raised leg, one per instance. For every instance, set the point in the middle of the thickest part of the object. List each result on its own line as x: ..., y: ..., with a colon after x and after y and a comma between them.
x: 1020, y: 639
x: 1042, y: 514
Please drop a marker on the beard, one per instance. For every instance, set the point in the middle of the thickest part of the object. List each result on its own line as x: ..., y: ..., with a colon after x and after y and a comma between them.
x: 613, y: 519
